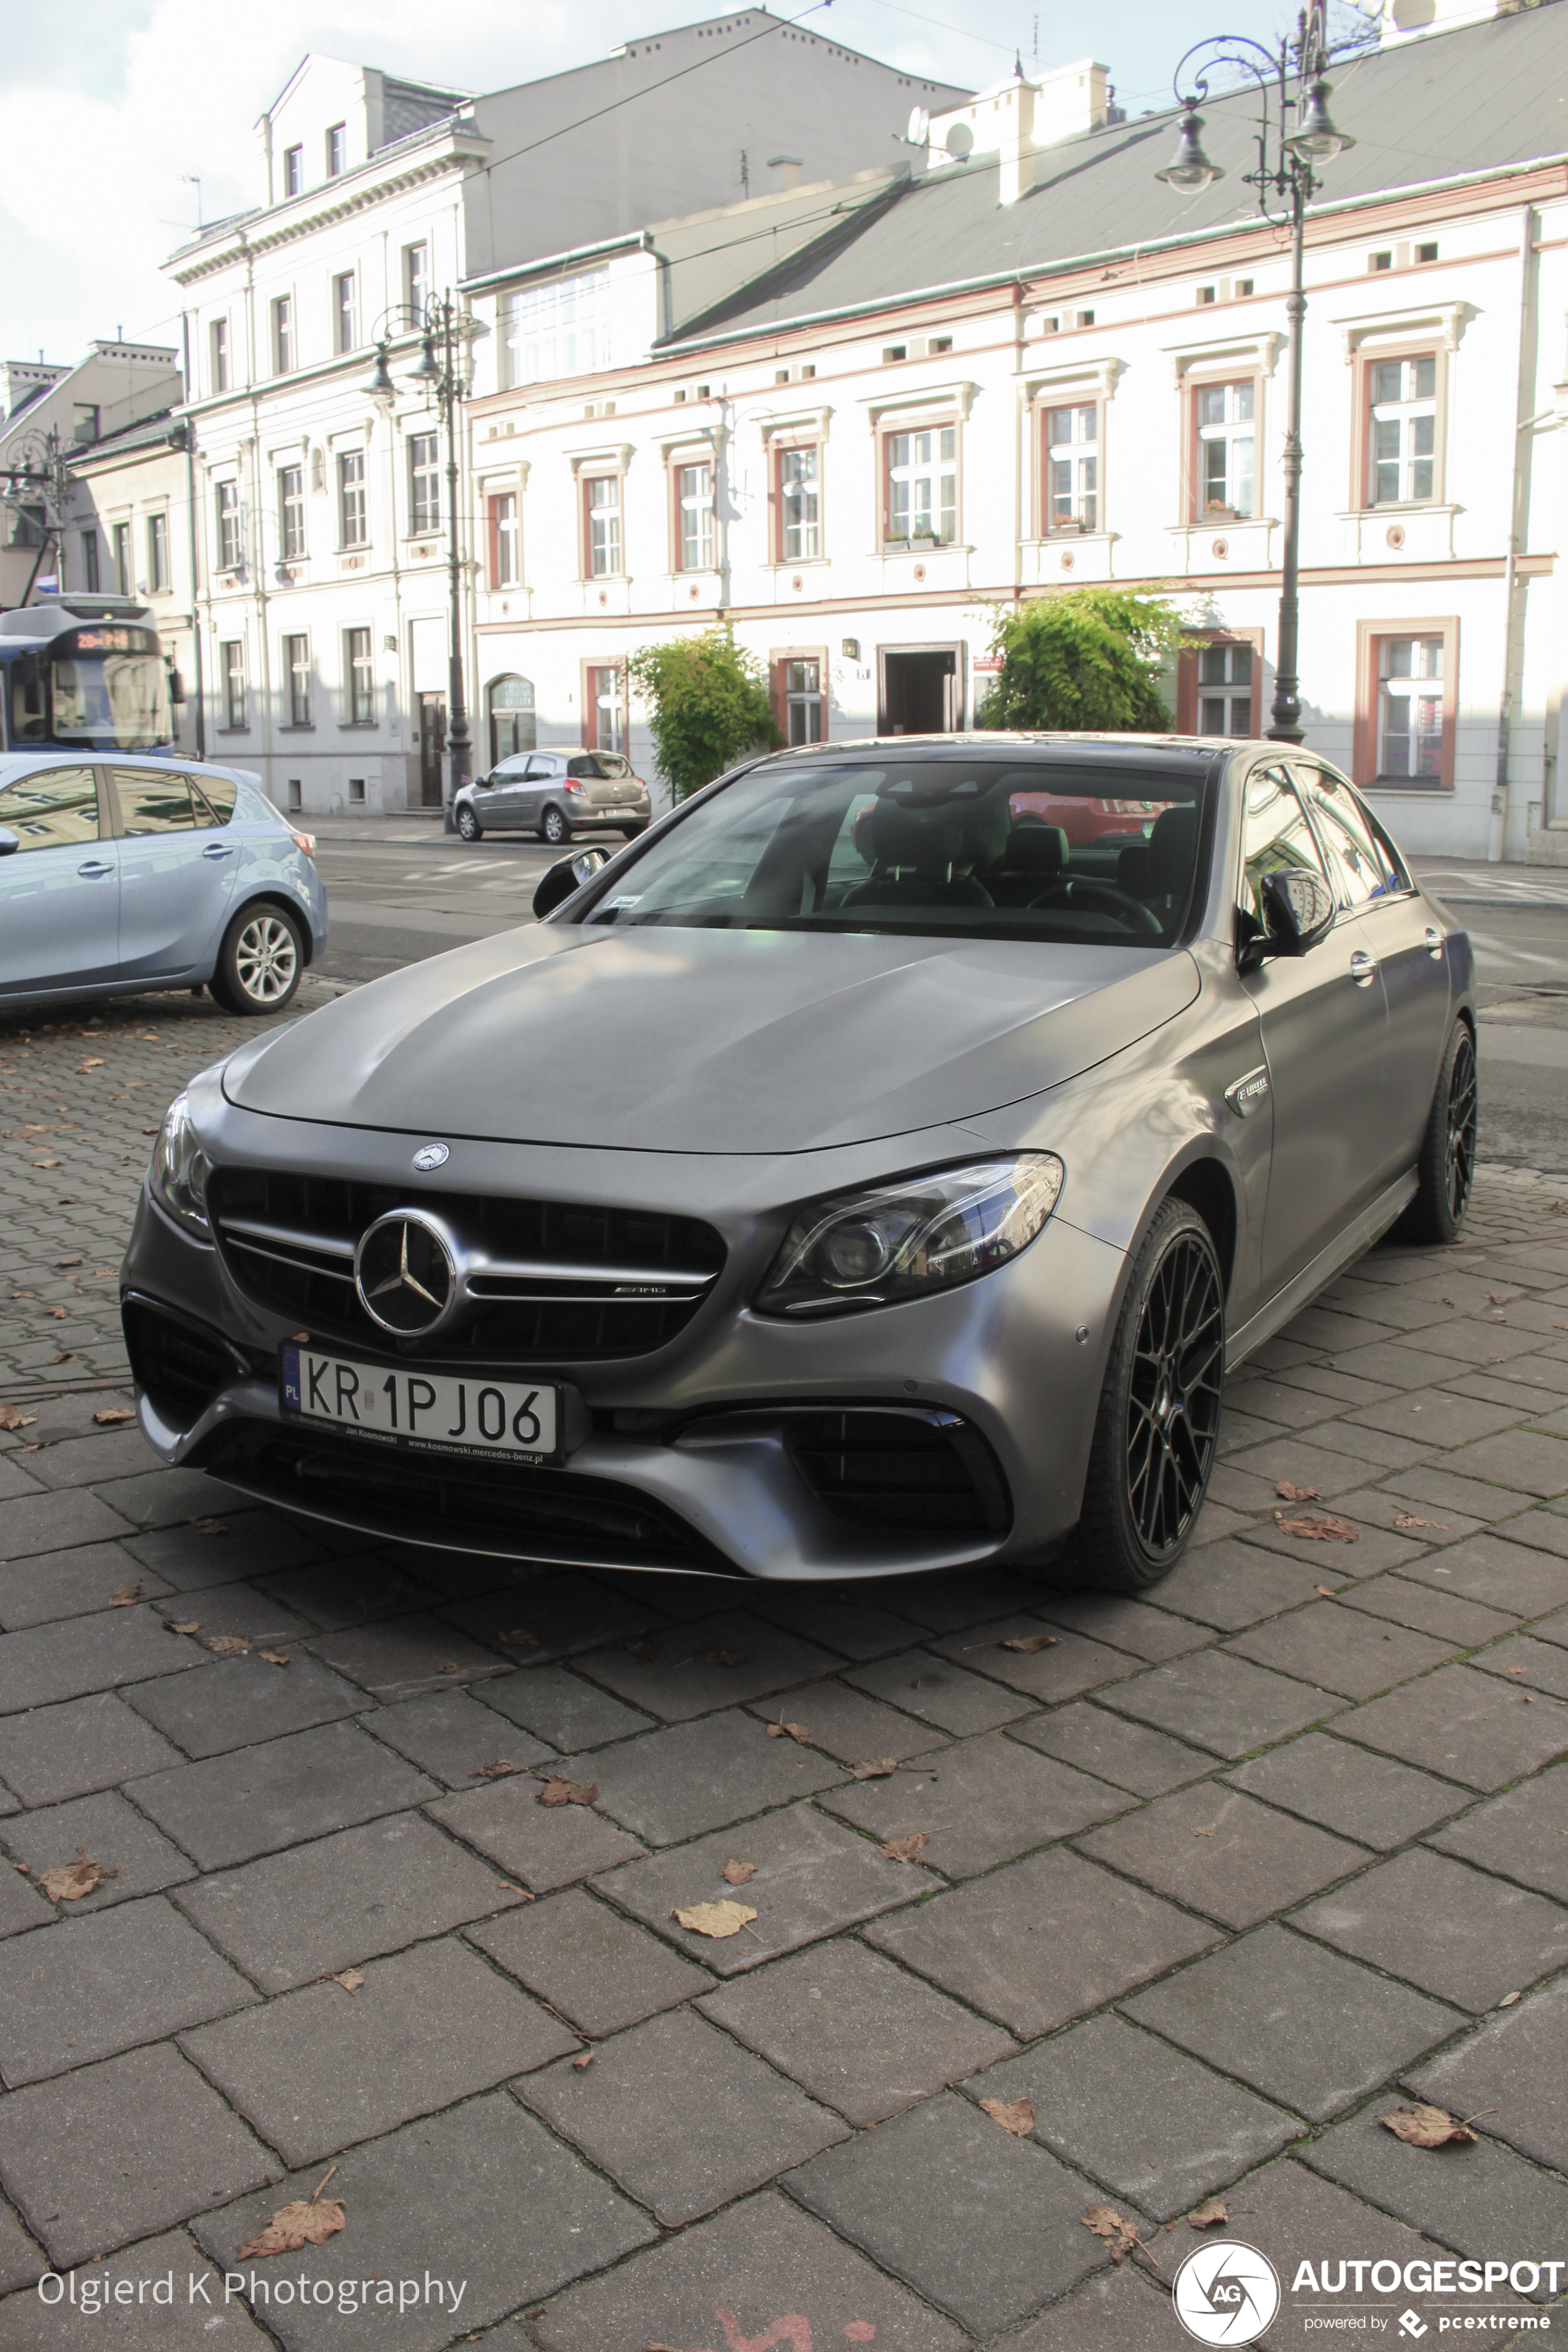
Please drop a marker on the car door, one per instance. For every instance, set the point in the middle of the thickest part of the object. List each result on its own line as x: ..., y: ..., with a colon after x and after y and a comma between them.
x: 543, y: 771
x: 177, y: 874
x: 500, y: 807
x: 1325, y: 1039
x: 59, y: 888
x: 1405, y: 944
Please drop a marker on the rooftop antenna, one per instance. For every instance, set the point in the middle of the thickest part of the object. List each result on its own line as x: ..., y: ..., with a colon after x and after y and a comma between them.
x: 193, y: 179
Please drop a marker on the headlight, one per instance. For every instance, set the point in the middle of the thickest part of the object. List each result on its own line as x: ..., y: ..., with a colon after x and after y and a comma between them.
x: 180, y: 1169
x: 900, y: 1240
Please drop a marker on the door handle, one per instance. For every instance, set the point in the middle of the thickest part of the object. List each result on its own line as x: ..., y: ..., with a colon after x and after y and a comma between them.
x: 94, y: 869
x: 1434, y: 944
x: 1364, y: 969
x: 215, y: 849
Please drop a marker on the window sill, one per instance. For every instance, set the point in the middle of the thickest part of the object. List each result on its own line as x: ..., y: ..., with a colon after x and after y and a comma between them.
x: 1074, y: 539
x: 924, y: 547
x: 358, y: 726
x: 297, y: 726
x: 233, y: 730
x: 1404, y: 506
x: 1417, y: 788
x: 355, y: 547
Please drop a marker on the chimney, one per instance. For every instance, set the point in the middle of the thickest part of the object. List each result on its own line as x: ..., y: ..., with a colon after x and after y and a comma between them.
x: 788, y: 170
x: 1407, y: 20
x: 1018, y: 117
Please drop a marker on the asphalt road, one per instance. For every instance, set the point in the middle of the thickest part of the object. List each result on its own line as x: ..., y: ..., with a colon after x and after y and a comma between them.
x: 397, y: 900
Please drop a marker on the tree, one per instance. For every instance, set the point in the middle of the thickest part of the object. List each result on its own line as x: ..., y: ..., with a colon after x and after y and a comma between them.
x: 708, y: 706
x: 1086, y: 657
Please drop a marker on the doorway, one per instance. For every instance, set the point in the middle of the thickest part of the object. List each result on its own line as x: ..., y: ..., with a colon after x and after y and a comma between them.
x: 920, y: 689
x: 513, y: 721
x: 432, y: 748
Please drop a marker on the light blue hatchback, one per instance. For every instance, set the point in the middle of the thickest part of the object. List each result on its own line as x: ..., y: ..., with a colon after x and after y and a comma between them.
x: 119, y: 874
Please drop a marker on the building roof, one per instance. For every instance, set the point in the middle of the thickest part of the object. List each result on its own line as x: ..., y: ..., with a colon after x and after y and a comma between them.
x: 1472, y: 101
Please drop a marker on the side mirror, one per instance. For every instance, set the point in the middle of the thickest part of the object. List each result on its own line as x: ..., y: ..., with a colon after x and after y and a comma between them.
x: 9, y: 842
x: 564, y: 879
x: 1298, y: 910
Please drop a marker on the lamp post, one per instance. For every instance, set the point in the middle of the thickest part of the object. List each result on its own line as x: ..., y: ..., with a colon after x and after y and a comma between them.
x: 1285, y: 170
x: 445, y: 337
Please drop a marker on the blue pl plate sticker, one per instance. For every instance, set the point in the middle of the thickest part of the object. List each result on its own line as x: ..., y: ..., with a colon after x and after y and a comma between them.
x: 290, y: 1363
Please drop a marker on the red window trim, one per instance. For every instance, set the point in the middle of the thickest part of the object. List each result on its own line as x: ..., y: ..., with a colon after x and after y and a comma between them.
x: 1363, y: 760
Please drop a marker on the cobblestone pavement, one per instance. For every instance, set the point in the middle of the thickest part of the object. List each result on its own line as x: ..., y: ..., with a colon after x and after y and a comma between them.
x: 1213, y: 1880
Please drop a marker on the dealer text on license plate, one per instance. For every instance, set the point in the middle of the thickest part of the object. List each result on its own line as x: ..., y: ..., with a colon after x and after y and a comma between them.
x: 448, y: 1413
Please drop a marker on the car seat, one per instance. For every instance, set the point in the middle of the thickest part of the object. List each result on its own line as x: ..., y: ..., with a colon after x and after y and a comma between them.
x: 1172, y: 847
x: 913, y: 857
x: 1034, y: 857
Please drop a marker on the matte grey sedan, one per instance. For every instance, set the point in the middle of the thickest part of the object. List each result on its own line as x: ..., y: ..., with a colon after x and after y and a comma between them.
x: 876, y: 1168
x: 554, y: 794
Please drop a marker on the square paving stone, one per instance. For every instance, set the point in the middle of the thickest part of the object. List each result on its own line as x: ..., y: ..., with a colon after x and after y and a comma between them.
x: 678, y: 1672
x: 117, y: 2150
x: 225, y: 1544
x: 1221, y: 1703
x: 1299, y: 2023
x: 1537, y: 1665
x: 395, y: 1657
x: 21, y: 1904
x: 236, y: 1609
x: 53, y: 1752
x: 567, y: 1614
x: 985, y: 2225
x: 1432, y: 1485
x: 679, y: 2117
x: 107, y: 1830
x: 1545, y: 1529
x: 728, y: 2280
x: 1427, y: 1610
x: 1306, y: 1464
x: 1354, y: 1791
x: 584, y: 1959
x: 1288, y: 1407
x: 1222, y: 1854
x: 1072, y: 1665
x: 1370, y: 1507
x: 47, y: 1663
x: 1464, y: 1937
x: 255, y: 1800
x: 981, y: 1802
x: 291, y: 1917
x: 1335, y: 1563
x: 22, y: 2264
x: 1119, y: 2311
x: 1339, y: 1651
x: 854, y: 1628
x: 1515, y: 2065
x: 1434, y: 1416
x: 1521, y: 1835
x: 844, y: 1723
x: 1042, y: 1940
x: 89, y: 1460
x: 450, y: 1735
x: 436, y: 2025
x: 1231, y: 1584
x: 558, y: 1706
x: 332, y: 1594
x: 689, y: 1777
x: 55, y: 1584
x: 1151, y: 2123
x: 1512, y: 1577
x: 88, y: 1989
x: 1468, y: 1727
x: 855, y: 2030
x: 178, y: 2326
x: 814, y: 1877
x: 1527, y: 1461
x: 1126, y: 1625
x: 1113, y: 1747
x: 544, y: 1845
x: 1485, y: 2200
x: 235, y: 1702
x: 948, y: 1696
x: 940, y: 1604
x: 55, y: 1522
x: 481, y: 2197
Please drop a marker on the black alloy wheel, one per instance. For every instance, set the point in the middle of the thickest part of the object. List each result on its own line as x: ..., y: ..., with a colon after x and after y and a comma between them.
x: 1446, y: 1170
x: 1460, y: 1147
x: 1159, y: 1418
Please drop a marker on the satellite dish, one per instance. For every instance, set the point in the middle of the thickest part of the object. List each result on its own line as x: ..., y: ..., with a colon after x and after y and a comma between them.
x: 918, y: 126
x: 960, y: 141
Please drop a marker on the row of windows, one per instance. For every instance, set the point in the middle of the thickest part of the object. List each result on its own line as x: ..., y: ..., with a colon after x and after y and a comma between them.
x: 336, y: 160
x: 346, y: 323
x: 352, y: 521
x: 297, y: 679
x: 122, y: 579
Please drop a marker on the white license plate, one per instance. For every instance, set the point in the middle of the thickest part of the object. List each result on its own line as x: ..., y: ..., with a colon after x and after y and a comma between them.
x: 442, y: 1412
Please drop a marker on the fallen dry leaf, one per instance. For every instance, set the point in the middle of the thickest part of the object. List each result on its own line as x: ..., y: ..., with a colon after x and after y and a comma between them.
x: 1288, y: 1494
x: 1320, y: 1527
x: 648, y: 1651
x: 584, y: 2058
x: 57, y: 1313
x: 568, y: 1793
x: 13, y: 1417
x: 64, y: 1261
x: 1014, y: 2115
x: 716, y: 1919
x: 518, y: 1638
x: 497, y: 1770
x: 448, y: 1666
x: 717, y: 1657
x: 737, y: 1874
x: 1409, y: 1519
x: 1212, y: 2210
x: 116, y: 1412
x: 73, y: 1879
x: 93, y: 1062
x: 905, y: 1849
x: 1326, y: 1592
x: 306, y: 2221
x: 183, y: 1625
x: 508, y: 1888
x: 1029, y: 1643
x: 796, y: 1731
x: 1107, y: 2222
x: 274, y: 1657
x: 1516, y: 1670
x: 875, y: 1768
x: 123, y: 1595
x: 1508, y: 2000
x: 1425, y: 2127
x: 209, y: 1527
x: 227, y: 1645
x: 351, y: 1980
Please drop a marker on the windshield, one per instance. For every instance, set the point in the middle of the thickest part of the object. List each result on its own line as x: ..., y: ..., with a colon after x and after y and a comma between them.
x: 994, y: 850
x: 105, y: 702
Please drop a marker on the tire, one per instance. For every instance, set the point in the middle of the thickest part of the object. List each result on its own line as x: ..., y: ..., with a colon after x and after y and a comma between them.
x: 554, y: 827
x: 261, y: 961
x: 1157, y: 1428
x: 1446, y: 1168
x: 632, y: 832
x: 468, y: 825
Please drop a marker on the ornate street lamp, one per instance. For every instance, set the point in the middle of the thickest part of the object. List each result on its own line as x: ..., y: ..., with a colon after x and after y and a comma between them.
x: 446, y: 339
x: 1287, y: 168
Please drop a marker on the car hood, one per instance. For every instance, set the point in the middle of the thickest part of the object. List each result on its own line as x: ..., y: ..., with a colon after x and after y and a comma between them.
x: 669, y: 1040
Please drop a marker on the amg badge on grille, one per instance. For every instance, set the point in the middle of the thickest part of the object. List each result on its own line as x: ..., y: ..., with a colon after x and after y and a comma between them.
x: 431, y: 1155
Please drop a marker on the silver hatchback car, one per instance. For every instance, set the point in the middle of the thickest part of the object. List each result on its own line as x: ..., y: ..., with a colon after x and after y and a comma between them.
x: 554, y: 794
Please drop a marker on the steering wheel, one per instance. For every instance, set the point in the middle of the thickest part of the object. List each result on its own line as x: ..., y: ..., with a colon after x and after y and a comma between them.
x: 1103, y: 898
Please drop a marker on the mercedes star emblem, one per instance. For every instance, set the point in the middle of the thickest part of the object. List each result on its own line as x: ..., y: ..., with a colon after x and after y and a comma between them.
x: 404, y: 1275
x: 431, y: 1155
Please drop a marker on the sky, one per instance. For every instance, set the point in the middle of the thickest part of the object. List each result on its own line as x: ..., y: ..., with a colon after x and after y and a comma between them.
x: 106, y: 135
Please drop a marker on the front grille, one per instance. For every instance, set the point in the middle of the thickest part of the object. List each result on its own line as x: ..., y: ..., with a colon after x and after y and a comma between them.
x: 896, y: 1471
x: 549, y: 1515
x: 179, y: 1363
x: 546, y: 1278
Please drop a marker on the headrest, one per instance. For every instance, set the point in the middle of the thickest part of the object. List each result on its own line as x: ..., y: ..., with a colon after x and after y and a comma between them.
x: 907, y: 837
x: 1035, y: 849
x: 1173, y: 845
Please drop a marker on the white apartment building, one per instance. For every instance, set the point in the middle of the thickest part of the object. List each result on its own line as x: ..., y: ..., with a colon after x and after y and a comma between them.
x: 1030, y: 365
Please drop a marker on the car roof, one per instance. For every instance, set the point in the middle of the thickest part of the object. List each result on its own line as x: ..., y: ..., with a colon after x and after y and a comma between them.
x: 1170, y: 755
x: 22, y: 763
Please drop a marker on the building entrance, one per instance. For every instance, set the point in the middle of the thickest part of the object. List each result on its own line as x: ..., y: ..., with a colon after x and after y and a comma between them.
x: 920, y: 689
x: 432, y: 747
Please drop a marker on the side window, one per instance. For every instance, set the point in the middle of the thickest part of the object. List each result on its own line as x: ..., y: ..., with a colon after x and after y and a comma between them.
x: 1361, y: 867
x: 1276, y: 836
x: 153, y: 803
x: 540, y: 766
x: 213, y: 800
x: 56, y: 809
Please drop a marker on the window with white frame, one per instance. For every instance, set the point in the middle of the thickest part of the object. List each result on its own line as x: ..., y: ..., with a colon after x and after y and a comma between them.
x: 416, y: 276
x: 424, y: 482
x: 602, y: 512
x: 231, y: 669
x: 359, y: 676
x: 922, y: 487
x: 1410, y: 707
x: 337, y: 150
x: 89, y: 562
x: 157, y: 554
x: 217, y: 347
x: 800, y: 526
x: 1224, y: 433
x: 227, y: 500
x: 119, y: 539
x: 297, y: 679
x: 1403, y: 440
x: 559, y: 328
x: 1072, y: 468
x: 1224, y: 690
x: 293, y: 170
x: 290, y: 512
x: 694, y: 511
x: 345, y: 311
x: 283, y: 335
x: 803, y: 701
x: 606, y: 700
x: 505, y: 551
x: 352, y: 528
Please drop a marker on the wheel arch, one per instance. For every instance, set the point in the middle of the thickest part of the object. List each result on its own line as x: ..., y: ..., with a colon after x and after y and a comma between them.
x: 285, y: 905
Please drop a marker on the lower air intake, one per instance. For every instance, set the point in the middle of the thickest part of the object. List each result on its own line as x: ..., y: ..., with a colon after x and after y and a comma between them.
x: 898, y: 1472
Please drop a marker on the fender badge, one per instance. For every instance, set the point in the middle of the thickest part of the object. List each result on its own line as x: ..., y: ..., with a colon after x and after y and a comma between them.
x: 431, y: 1155
x: 1245, y: 1096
